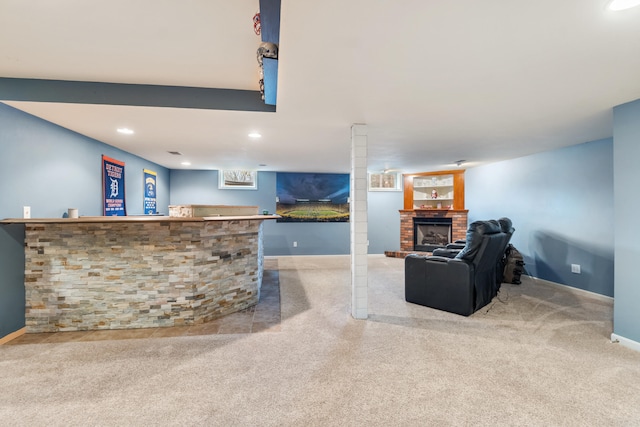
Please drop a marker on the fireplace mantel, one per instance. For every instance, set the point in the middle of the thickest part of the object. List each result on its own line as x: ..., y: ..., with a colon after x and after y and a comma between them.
x: 465, y: 211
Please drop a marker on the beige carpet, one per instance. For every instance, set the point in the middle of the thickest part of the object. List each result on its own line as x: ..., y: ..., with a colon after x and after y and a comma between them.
x: 538, y: 355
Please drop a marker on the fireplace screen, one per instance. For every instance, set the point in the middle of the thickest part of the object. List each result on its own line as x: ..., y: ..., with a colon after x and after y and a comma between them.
x: 432, y: 234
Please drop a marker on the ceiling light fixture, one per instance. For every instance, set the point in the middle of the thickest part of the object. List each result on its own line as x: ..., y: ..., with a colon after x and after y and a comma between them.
x: 125, y: 131
x: 623, y: 4
x: 186, y: 163
x: 255, y: 135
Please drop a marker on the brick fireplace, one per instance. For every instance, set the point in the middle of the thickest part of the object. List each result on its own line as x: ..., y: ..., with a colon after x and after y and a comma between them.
x: 458, y: 224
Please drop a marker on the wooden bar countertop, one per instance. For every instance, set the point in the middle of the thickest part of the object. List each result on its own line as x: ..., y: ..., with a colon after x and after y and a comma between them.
x: 134, y: 218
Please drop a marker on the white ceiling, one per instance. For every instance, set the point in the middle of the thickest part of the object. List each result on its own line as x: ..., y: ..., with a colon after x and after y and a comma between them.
x: 435, y: 81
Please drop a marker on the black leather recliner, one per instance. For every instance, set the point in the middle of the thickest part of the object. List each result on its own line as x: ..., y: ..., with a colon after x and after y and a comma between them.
x: 463, y: 284
x: 452, y: 249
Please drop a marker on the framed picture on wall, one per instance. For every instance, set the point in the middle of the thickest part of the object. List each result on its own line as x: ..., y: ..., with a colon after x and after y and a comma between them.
x: 385, y: 181
x: 237, y: 179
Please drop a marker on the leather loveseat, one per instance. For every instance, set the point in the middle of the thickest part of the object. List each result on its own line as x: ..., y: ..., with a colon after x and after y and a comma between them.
x: 462, y: 284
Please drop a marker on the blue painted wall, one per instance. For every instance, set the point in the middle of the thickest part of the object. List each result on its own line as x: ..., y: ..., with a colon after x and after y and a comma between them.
x: 12, y: 296
x: 626, y: 148
x: 383, y: 210
x: 201, y: 187
x: 561, y: 204
x: 51, y: 169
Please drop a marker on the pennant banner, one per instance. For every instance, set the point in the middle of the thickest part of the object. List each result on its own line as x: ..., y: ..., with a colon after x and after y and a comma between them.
x: 150, y: 179
x: 113, y: 187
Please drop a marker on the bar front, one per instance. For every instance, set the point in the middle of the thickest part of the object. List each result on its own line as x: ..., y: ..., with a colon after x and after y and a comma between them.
x: 95, y: 273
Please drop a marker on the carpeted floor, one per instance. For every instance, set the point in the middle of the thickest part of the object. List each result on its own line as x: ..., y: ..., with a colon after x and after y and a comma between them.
x: 537, y: 355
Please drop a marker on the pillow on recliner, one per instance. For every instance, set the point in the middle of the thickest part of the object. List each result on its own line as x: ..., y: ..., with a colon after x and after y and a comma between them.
x: 505, y: 224
x: 476, y: 230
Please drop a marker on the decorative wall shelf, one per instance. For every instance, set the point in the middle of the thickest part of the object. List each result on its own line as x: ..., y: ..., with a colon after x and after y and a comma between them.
x: 442, y: 190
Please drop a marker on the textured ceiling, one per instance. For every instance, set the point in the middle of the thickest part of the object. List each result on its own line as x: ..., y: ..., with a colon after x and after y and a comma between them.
x: 435, y: 82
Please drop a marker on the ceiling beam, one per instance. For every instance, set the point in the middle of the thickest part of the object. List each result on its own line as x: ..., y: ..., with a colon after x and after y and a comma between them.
x: 80, y: 92
x: 270, y: 20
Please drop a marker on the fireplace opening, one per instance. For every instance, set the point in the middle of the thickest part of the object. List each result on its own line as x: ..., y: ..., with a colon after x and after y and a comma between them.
x: 431, y: 233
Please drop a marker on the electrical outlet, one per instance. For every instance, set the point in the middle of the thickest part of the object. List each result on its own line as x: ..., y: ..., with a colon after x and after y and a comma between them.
x: 575, y: 268
x: 26, y: 212
x: 295, y: 244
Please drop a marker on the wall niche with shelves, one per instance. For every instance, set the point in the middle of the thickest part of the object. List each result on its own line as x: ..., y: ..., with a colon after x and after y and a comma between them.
x: 443, y: 190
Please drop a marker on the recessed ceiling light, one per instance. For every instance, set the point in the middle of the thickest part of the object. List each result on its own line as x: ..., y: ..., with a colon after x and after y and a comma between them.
x: 623, y: 4
x: 255, y: 135
x: 186, y: 163
x: 125, y: 131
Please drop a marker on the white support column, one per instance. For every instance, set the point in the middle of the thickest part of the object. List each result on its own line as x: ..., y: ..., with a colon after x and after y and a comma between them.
x: 359, y: 222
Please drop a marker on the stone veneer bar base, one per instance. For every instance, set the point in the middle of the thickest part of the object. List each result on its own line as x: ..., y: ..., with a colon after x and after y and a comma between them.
x: 122, y: 275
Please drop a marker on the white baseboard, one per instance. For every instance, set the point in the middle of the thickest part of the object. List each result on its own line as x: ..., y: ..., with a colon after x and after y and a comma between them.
x: 571, y: 289
x: 633, y: 345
